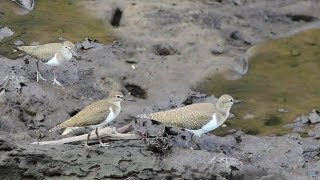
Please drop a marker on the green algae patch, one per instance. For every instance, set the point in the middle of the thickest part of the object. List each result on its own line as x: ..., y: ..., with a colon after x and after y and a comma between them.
x: 283, y: 74
x: 49, y: 21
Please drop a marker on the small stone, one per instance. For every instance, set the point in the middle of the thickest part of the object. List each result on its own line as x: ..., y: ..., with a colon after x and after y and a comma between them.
x: 315, y: 132
x: 302, y: 119
x: 311, y: 133
x: 295, y: 53
x: 5, y: 32
x: 248, y: 116
x: 39, y: 117
x: 232, y: 131
x: 282, y: 110
x: 18, y: 42
x: 231, y: 116
x: 34, y: 43
x: 87, y: 45
x: 314, y: 117
x: 237, y: 2
x: 218, y: 49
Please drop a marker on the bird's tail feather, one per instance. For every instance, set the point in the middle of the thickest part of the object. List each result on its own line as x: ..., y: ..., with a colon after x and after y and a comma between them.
x: 197, y: 132
x: 26, y: 48
x: 59, y: 126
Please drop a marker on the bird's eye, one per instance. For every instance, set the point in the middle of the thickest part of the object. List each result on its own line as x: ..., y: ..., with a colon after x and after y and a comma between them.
x: 118, y: 96
x: 230, y: 100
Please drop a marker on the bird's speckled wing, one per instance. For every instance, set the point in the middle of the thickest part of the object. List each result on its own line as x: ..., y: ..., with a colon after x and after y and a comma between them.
x: 42, y: 52
x: 93, y: 114
x: 191, y: 117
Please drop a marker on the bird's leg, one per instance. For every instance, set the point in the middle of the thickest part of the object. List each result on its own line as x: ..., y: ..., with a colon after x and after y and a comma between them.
x: 88, y: 137
x: 38, y: 73
x: 55, y: 81
x: 100, y: 141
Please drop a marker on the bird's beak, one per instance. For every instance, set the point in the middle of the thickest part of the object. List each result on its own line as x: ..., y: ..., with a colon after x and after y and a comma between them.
x: 128, y: 99
x: 235, y: 101
x: 74, y: 53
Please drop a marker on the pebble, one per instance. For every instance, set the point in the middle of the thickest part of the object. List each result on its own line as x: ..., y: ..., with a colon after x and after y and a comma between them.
x: 5, y: 32
x: 248, y: 116
x: 302, y: 119
x: 314, y: 117
x: 34, y: 43
x: 218, y: 49
x: 39, y: 117
x: 18, y: 42
x: 282, y: 110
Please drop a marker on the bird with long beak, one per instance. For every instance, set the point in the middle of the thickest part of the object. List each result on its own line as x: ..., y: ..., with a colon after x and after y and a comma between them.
x: 197, y: 118
x: 96, y: 115
x: 52, y: 54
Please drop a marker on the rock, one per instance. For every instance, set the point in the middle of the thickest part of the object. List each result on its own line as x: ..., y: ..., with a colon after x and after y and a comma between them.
x: 6, y: 146
x: 231, y: 115
x: 34, y: 43
x: 282, y: 110
x: 39, y: 117
x: 297, y: 127
x: 302, y: 119
x: 218, y: 49
x: 315, y: 132
x: 314, y: 117
x: 18, y: 42
x: 87, y: 44
x: 26, y: 4
x: 164, y: 50
x: 248, y: 116
x: 241, y: 36
x: 5, y: 32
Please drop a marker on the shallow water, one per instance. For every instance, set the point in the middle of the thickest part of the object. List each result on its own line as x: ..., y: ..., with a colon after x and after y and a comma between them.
x: 49, y: 21
x: 283, y: 73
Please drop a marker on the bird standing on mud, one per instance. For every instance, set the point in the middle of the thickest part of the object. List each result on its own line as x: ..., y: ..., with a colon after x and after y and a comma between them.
x: 53, y: 54
x: 197, y: 118
x: 96, y: 115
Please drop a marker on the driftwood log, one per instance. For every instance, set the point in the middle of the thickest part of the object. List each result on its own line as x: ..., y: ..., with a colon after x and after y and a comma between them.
x: 110, y: 133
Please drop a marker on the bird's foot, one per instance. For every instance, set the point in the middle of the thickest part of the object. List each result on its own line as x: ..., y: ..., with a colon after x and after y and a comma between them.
x: 39, y: 77
x: 104, y: 144
x: 55, y: 81
x: 87, y: 146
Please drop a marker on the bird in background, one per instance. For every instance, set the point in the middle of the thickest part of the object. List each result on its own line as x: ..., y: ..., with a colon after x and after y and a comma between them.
x: 197, y: 118
x: 52, y: 54
x: 96, y: 115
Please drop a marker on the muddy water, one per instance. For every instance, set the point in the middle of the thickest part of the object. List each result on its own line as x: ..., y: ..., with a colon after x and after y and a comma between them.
x: 283, y: 74
x: 49, y: 21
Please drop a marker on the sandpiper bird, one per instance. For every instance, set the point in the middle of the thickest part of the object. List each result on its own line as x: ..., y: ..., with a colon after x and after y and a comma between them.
x: 96, y: 115
x: 197, y: 118
x: 53, y: 54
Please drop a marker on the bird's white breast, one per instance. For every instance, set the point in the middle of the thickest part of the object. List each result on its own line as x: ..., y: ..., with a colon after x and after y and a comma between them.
x: 67, y: 55
x: 53, y: 61
x: 112, y: 114
x: 211, y: 125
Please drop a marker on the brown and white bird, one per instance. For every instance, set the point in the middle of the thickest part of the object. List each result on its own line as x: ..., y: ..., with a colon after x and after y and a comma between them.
x: 53, y: 54
x: 96, y: 115
x: 197, y: 118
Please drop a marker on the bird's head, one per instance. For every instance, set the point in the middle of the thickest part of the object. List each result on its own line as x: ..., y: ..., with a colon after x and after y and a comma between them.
x: 225, y: 102
x: 69, y: 46
x: 116, y: 96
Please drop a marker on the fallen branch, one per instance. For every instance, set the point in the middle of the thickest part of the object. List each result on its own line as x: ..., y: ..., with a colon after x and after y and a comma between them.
x: 109, y: 133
